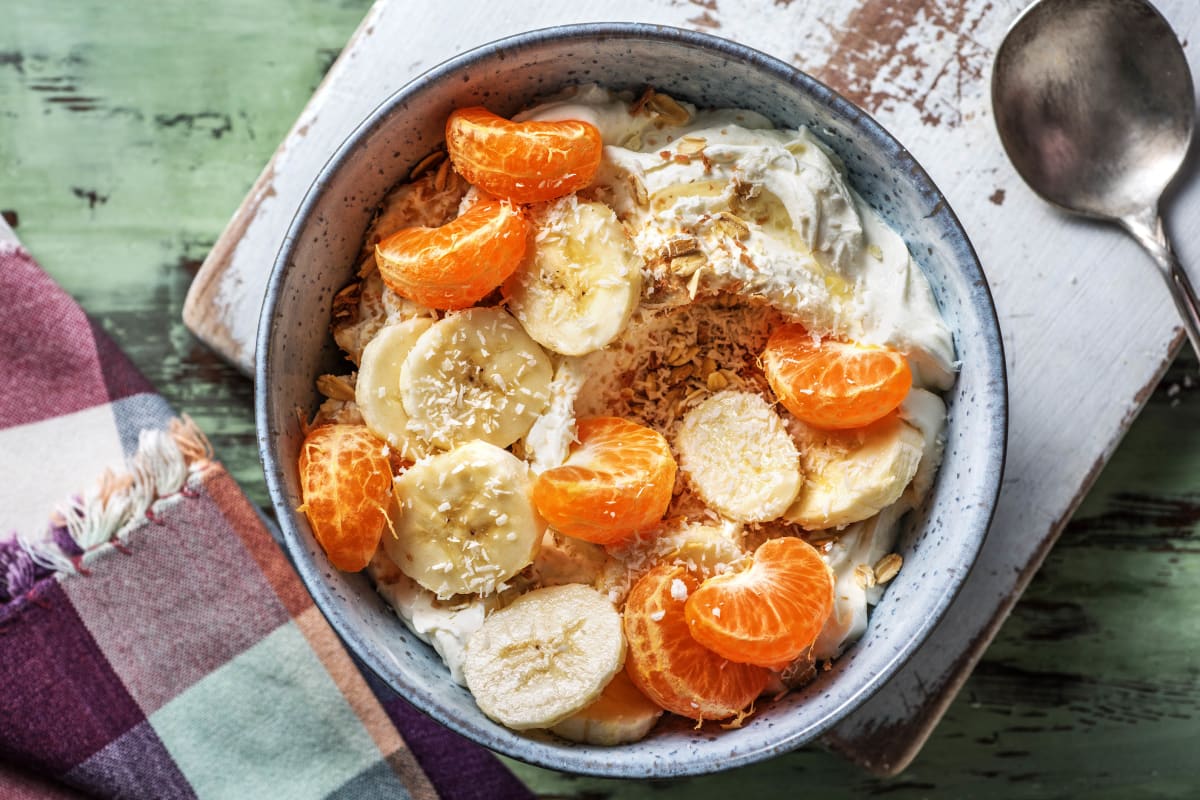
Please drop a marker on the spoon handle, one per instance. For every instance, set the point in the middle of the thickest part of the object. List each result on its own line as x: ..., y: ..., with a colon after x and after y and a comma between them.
x: 1147, y: 228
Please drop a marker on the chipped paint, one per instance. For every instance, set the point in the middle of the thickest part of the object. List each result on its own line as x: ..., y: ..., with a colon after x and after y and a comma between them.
x: 922, y: 53
x: 11, y: 58
x: 215, y: 123
x: 92, y: 197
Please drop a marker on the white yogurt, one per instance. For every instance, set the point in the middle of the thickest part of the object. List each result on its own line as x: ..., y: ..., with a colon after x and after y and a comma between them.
x: 816, y: 250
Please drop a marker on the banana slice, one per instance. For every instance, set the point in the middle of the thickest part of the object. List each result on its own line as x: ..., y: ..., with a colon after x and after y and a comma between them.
x: 475, y: 375
x: 377, y: 392
x: 852, y: 475
x: 620, y: 715
x: 465, y: 523
x: 544, y: 657
x: 739, y: 457
x: 578, y: 290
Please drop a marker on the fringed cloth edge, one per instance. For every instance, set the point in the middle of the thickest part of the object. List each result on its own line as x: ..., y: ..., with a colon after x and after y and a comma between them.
x: 105, y: 514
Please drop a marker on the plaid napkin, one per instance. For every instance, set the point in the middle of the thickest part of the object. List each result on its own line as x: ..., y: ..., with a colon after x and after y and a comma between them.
x: 154, y: 641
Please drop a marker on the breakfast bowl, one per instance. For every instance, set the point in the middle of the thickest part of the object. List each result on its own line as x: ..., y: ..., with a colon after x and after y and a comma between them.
x: 938, y: 541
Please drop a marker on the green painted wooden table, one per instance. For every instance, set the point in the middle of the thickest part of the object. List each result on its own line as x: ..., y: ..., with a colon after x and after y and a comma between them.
x: 129, y: 132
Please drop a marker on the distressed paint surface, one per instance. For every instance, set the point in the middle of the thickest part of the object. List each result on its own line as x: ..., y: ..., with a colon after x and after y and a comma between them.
x: 129, y: 135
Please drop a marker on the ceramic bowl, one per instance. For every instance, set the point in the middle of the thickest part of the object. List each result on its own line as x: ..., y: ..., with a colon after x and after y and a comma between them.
x: 939, y: 542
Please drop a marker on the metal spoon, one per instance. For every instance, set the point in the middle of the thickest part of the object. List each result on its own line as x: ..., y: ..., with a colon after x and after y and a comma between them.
x: 1095, y: 107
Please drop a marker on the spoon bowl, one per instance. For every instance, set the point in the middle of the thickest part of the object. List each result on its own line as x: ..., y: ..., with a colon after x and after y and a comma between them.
x: 1095, y: 107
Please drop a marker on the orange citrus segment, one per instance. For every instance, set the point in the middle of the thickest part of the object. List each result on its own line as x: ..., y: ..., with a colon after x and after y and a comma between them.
x: 525, y: 162
x: 457, y: 264
x: 672, y: 668
x: 346, y: 485
x: 769, y: 613
x: 834, y: 384
x: 617, y: 480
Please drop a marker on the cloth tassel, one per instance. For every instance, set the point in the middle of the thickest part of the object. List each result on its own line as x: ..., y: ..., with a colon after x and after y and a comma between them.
x: 110, y: 510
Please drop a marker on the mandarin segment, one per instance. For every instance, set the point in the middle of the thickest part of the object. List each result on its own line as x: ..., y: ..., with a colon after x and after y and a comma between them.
x: 525, y: 162
x: 672, y: 668
x: 616, y: 481
x: 455, y: 265
x: 832, y: 384
x: 769, y: 613
x: 346, y: 486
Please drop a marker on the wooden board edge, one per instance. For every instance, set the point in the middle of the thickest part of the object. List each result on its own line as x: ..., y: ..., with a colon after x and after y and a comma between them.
x: 201, y: 312
x: 7, y: 234
x: 200, y: 306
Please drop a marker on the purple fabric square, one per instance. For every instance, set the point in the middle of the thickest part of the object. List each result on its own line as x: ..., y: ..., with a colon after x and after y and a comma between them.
x: 17, y: 783
x: 18, y: 572
x: 185, y: 599
x: 136, y: 764
x: 60, y: 701
x: 458, y: 768
x: 121, y: 377
x: 51, y: 367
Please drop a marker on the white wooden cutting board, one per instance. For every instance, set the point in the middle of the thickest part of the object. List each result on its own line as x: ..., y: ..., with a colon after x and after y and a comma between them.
x: 1088, y: 327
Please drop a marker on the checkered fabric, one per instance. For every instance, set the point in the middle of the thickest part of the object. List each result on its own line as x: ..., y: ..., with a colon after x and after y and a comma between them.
x: 180, y: 657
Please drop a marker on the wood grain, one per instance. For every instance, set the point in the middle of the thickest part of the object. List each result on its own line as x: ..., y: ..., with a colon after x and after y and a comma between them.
x: 162, y: 116
x: 882, y: 58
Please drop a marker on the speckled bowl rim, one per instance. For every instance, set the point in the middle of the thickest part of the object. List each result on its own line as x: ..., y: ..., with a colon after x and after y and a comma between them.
x: 979, y: 296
